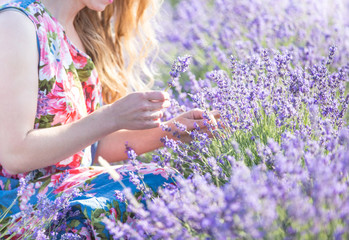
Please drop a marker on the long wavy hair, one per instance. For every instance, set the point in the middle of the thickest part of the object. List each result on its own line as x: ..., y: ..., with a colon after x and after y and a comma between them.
x: 119, y: 40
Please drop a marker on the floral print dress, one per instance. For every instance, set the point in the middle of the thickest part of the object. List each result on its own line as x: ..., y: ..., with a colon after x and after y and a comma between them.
x: 69, y: 89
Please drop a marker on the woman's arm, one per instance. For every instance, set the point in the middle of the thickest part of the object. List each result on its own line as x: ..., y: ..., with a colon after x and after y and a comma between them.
x: 23, y: 148
x: 112, y: 147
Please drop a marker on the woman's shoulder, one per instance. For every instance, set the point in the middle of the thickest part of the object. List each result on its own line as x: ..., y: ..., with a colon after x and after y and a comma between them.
x: 33, y: 9
x: 16, y: 22
x: 17, y: 33
x: 17, y: 25
x: 13, y: 10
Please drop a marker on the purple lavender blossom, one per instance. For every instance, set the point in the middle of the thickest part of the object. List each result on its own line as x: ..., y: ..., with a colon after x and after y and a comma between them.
x: 179, y: 66
x: 131, y: 154
x: 119, y: 196
x: 70, y: 236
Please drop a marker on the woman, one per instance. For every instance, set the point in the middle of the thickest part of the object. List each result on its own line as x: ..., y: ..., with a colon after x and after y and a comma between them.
x: 59, y: 60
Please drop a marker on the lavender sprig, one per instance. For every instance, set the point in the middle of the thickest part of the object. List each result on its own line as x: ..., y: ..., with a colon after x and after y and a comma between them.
x: 180, y: 65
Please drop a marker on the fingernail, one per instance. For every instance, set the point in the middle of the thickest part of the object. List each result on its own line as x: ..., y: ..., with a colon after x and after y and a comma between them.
x: 167, y: 96
x: 167, y: 104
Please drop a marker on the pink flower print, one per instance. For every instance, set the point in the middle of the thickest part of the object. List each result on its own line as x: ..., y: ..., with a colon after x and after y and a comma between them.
x: 43, y: 192
x: 127, y: 168
x: 2, y: 185
x: 114, y: 213
x: 38, y: 185
x: 50, y: 24
x: 56, y: 95
x: 89, y: 92
x: 66, y: 186
x: 74, y: 96
x: 26, y: 195
x: 153, y: 168
x: 59, y: 177
x: 71, y: 117
x: 78, y: 175
x: 92, y: 92
x: 159, y: 171
x: 88, y: 187
x: 71, y: 162
x: 66, y: 57
x: 83, y: 232
x: 6, y: 174
x: 86, y: 173
x: 79, y: 60
x: 58, y: 105
x: 48, y: 65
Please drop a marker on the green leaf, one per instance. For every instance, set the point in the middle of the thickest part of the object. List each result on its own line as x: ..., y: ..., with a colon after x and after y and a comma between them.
x: 98, y: 227
x: 98, y: 212
x: 7, y: 184
x: 47, y: 85
x: 74, y: 223
x: 45, y: 121
x: 85, y: 73
x: 44, y: 185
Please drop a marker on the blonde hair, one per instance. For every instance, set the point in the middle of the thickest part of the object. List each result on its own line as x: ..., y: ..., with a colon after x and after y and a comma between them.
x: 119, y: 40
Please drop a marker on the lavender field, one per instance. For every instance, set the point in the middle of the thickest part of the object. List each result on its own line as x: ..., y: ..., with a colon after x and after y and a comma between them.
x: 276, y: 165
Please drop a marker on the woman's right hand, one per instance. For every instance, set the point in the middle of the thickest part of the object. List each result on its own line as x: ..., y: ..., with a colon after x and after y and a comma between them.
x: 139, y: 110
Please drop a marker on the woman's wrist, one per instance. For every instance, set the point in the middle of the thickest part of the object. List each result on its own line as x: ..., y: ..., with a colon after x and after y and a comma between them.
x: 108, y: 119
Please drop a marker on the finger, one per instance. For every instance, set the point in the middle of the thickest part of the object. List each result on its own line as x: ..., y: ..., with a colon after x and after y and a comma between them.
x: 152, y: 124
x: 216, y: 114
x: 200, y: 123
x: 213, y: 116
x: 155, y: 106
x: 197, y: 113
x: 212, y: 120
x: 157, y: 96
x: 154, y: 115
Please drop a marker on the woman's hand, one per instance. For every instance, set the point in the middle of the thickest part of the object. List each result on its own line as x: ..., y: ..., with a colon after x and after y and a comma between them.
x: 139, y: 110
x: 195, y: 116
x: 112, y: 146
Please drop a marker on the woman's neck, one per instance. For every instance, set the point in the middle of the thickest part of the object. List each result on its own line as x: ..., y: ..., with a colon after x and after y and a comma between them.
x: 64, y: 11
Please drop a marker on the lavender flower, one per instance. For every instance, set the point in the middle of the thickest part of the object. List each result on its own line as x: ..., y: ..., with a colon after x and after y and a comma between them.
x: 120, y: 196
x: 180, y: 65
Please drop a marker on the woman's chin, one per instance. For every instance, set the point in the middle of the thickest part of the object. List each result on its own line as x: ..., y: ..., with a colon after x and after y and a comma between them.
x: 99, y: 7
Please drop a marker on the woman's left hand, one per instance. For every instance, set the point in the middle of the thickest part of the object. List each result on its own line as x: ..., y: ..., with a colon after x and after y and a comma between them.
x: 190, y: 118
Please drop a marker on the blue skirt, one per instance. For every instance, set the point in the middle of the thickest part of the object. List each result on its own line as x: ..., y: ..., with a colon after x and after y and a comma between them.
x: 76, y: 200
